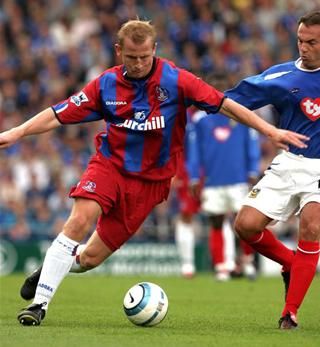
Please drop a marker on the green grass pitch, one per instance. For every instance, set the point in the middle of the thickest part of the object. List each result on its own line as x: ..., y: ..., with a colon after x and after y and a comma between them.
x: 87, y: 311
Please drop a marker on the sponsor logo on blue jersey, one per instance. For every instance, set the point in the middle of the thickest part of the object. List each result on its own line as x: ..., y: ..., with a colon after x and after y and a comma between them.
x: 311, y: 108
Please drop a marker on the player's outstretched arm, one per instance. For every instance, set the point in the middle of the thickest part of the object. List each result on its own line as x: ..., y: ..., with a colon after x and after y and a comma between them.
x: 40, y: 123
x: 280, y: 137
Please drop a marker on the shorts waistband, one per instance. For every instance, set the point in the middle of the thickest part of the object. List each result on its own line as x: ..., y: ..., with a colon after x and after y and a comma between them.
x: 301, y: 158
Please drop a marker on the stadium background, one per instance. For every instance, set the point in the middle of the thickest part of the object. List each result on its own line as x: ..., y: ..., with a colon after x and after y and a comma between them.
x: 50, y: 49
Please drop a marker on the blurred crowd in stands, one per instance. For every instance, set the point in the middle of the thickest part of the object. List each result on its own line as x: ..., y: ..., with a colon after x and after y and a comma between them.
x: 51, y: 48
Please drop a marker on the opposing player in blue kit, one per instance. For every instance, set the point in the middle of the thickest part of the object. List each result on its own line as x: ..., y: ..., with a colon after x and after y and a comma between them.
x: 226, y: 156
x: 292, y: 182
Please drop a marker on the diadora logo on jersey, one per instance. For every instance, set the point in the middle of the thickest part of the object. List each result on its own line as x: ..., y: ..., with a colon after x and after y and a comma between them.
x: 150, y: 124
x: 89, y: 186
x: 162, y: 93
x: 79, y: 98
x: 222, y: 134
x: 276, y: 75
x: 311, y: 108
x: 115, y: 103
x: 140, y: 116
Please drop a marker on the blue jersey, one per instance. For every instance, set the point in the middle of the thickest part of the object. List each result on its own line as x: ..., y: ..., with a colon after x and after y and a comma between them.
x: 190, y: 144
x: 295, y: 94
x: 225, y: 152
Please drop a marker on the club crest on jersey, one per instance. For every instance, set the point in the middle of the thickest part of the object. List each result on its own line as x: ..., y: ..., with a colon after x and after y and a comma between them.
x: 89, y: 186
x: 311, y: 108
x: 254, y: 192
x: 140, y: 116
x: 162, y: 93
x: 79, y: 98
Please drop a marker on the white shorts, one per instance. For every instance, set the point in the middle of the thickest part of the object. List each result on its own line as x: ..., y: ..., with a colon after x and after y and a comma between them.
x: 291, y: 182
x: 224, y: 199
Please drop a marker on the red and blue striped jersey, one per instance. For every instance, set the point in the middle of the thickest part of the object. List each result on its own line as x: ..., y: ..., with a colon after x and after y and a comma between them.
x: 145, y: 118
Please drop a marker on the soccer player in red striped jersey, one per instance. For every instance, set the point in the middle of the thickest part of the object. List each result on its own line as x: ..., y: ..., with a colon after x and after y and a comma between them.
x: 144, y: 103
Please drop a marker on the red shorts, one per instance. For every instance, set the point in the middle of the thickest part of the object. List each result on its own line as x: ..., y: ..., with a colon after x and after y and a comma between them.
x: 125, y: 201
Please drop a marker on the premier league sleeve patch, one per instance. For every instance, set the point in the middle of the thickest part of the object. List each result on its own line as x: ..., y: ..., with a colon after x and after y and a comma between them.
x: 79, y: 98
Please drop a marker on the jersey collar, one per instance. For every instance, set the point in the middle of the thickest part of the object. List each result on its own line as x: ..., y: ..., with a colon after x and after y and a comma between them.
x: 298, y: 63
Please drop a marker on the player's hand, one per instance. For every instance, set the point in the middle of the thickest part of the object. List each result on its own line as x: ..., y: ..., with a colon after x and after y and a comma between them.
x: 195, y: 190
x: 9, y: 137
x: 252, y: 181
x: 282, y: 138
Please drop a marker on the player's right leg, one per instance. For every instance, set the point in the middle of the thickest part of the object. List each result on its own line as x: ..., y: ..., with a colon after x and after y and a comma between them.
x: 59, y: 258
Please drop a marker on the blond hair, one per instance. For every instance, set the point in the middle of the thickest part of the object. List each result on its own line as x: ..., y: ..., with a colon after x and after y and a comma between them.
x: 137, y: 31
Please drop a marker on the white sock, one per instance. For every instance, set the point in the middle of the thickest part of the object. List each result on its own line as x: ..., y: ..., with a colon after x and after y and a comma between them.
x: 185, y: 242
x: 76, y: 267
x: 56, y: 265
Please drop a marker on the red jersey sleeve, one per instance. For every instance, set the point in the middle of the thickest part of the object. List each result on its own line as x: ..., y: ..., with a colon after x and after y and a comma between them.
x: 84, y: 106
x: 199, y: 93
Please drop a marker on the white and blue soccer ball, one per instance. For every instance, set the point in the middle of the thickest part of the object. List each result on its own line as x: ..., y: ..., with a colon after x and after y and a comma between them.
x: 145, y: 304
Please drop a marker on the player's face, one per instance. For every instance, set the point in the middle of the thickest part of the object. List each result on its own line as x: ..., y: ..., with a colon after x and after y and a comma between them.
x: 309, y: 45
x: 137, y: 59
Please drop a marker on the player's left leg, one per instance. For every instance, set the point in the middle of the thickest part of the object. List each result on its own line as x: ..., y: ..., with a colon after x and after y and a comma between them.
x: 304, y: 263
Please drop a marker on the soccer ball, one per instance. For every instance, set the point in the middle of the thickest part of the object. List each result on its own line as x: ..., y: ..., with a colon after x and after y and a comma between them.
x: 145, y: 304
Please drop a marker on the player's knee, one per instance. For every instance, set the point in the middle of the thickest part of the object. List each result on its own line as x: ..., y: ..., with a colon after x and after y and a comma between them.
x: 310, y: 231
x: 245, y: 227
x: 239, y: 226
